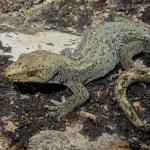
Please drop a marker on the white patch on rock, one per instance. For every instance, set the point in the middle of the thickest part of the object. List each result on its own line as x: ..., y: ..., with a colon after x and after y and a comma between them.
x: 53, y: 41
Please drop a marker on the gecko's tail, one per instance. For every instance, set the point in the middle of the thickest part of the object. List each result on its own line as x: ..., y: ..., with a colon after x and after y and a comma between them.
x: 123, y: 82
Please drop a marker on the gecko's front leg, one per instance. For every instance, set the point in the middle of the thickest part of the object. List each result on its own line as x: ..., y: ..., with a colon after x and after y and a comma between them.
x: 79, y: 96
x: 128, y: 51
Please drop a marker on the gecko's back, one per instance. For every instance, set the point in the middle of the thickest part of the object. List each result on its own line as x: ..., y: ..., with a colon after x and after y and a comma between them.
x: 99, y: 50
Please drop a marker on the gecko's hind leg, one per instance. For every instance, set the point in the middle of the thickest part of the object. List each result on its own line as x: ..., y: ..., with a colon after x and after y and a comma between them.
x: 123, y: 82
x: 146, y: 46
x: 128, y: 51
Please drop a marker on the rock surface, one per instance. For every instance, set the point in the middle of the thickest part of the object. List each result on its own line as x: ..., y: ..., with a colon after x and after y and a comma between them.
x: 15, y: 5
x: 69, y: 15
x: 72, y: 139
x: 4, y: 143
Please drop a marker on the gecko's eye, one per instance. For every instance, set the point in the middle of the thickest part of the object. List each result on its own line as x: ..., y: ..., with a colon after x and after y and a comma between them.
x: 31, y: 71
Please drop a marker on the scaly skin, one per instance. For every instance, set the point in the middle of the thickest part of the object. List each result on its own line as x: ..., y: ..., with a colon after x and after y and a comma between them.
x: 123, y: 82
x: 99, y: 52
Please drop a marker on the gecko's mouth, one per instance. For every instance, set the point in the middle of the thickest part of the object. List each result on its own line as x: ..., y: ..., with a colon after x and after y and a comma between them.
x: 10, y: 76
x: 22, y: 78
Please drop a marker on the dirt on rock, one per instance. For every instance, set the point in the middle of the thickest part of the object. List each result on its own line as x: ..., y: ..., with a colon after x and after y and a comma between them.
x: 16, y: 5
x: 69, y: 15
x: 76, y: 16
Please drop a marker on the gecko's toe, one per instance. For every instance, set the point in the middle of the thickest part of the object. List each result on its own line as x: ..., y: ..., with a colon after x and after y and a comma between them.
x: 59, y: 103
x: 54, y: 111
x: 52, y: 108
x: 51, y: 114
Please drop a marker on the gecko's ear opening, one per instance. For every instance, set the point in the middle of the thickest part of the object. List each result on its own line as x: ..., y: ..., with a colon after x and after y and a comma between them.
x: 56, y: 78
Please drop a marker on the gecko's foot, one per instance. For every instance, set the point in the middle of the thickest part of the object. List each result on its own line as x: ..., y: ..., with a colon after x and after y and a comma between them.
x: 56, y: 111
x: 53, y: 110
x: 59, y: 103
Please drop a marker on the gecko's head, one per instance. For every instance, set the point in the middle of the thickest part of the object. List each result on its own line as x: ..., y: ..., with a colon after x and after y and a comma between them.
x: 37, y: 66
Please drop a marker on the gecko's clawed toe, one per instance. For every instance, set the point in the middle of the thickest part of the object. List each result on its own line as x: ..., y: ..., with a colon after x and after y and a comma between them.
x: 57, y: 103
x: 52, y: 108
x: 55, y: 111
x: 51, y: 114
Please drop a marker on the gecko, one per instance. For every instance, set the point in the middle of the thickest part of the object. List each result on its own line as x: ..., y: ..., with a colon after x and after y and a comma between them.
x: 100, y: 50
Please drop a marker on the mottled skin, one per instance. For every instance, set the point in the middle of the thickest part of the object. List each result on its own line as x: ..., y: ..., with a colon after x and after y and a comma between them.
x: 99, y: 52
x: 123, y: 82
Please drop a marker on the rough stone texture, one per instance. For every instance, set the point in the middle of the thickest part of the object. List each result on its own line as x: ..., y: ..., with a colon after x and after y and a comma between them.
x: 76, y: 16
x: 72, y: 139
x: 68, y: 15
x: 4, y: 142
x: 15, y: 5
x: 126, y: 3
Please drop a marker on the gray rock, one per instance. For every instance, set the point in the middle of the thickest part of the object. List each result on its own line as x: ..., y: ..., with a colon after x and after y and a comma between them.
x: 71, y: 139
x: 4, y: 143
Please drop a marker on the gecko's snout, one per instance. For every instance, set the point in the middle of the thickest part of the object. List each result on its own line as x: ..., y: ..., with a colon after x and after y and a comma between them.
x: 9, y: 72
